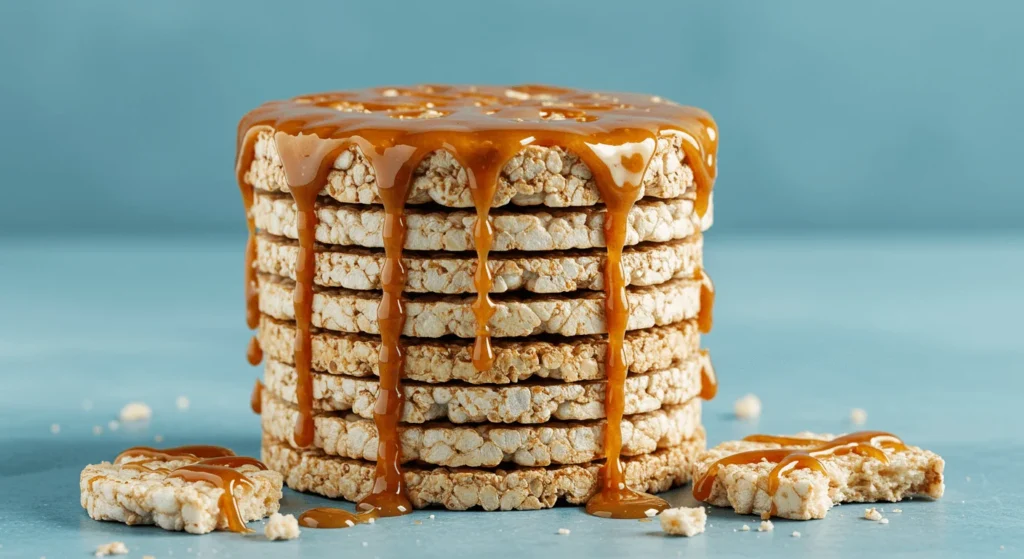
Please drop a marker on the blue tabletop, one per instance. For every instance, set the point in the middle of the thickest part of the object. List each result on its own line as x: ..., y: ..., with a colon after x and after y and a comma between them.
x: 924, y: 334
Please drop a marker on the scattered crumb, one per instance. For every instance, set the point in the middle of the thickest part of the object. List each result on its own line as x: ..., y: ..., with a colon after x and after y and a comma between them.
x: 766, y: 526
x: 158, y: 438
x: 182, y: 403
x: 417, y: 522
x: 430, y: 517
x: 281, y: 527
x: 371, y: 521
x: 135, y: 411
x: 872, y: 514
x: 683, y: 521
x: 86, y: 405
x: 748, y: 407
x: 97, y: 430
x: 113, y: 425
x: 112, y: 548
x: 644, y: 520
x: 55, y: 428
x: 563, y: 532
x: 745, y: 528
x: 651, y: 513
x: 897, y: 510
x: 796, y: 534
x: 858, y: 416
x: 883, y: 521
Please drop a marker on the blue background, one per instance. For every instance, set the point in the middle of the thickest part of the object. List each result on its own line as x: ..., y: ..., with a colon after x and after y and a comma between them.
x: 120, y: 115
x: 863, y: 251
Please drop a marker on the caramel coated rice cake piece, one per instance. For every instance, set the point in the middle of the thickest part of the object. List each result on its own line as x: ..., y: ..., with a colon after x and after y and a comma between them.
x: 452, y: 230
x: 533, y: 402
x: 515, y: 360
x: 805, y: 494
x: 452, y: 272
x: 111, y: 491
x: 515, y: 488
x: 433, y: 316
x: 537, y: 175
x: 488, y: 444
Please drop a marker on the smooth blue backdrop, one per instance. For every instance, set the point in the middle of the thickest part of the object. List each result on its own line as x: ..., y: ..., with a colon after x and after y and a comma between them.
x: 120, y: 115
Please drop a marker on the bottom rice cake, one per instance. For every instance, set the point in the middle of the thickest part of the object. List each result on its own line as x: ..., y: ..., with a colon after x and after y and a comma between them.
x: 503, y: 488
x: 443, y: 443
x: 817, y: 471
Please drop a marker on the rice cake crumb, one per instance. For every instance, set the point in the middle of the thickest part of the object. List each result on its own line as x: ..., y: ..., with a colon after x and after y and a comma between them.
x: 745, y: 528
x: 766, y: 526
x: 883, y: 521
x: 683, y: 521
x: 281, y: 527
x: 182, y: 403
x: 112, y: 548
x: 872, y: 514
x: 135, y: 411
x: 858, y: 416
x: 748, y: 407
x: 563, y: 532
x: 796, y: 534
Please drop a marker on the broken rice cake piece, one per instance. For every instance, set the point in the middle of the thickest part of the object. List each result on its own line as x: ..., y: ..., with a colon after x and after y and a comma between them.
x: 800, y: 477
x: 148, y: 486
x: 683, y: 521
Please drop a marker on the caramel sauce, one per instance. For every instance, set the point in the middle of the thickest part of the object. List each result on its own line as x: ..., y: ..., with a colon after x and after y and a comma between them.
x: 213, y: 464
x: 708, y: 378
x: 254, y: 354
x: 615, y: 135
x: 199, y: 452
x: 865, y: 443
x: 221, y: 477
x: 707, y: 301
x: 256, y: 400
x: 328, y: 517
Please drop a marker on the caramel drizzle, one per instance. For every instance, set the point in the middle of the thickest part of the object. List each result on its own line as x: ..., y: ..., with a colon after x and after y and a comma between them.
x: 708, y: 378
x: 482, y: 127
x: 215, y: 465
x: 807, y: 457
x: 256, y: 399
x: 329, y: 517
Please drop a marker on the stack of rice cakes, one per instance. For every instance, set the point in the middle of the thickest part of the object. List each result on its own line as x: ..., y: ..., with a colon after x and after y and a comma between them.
x: 529, y: 430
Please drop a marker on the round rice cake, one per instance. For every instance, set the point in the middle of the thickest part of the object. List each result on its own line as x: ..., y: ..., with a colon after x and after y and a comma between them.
x: 514, y: 488
x: 452, y: 230
x: 487, y: 445
x: 433, y: 316
x: 538, y: 175
x: 452, y: 273
x: 529, y: 402
x: 515, y: 360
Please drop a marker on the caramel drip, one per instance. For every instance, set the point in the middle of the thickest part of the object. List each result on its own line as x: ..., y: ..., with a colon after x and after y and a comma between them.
x: 222, y: 477
x: 483, y: 170
x: 329, y: 517
x: 482, y: 127
x: 707, y: 301
x: 708, y: 378
x: 255, y: 353
x: 394, y: 167
x: 808, y: 457
x: 252, y: 288
x: 256, y: 400
x: 199, y: 451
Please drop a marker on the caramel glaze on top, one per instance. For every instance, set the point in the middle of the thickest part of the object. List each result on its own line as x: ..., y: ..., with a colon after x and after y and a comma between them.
x: 482, y: 127
x: 215, y: 465
x: 799, y: 452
